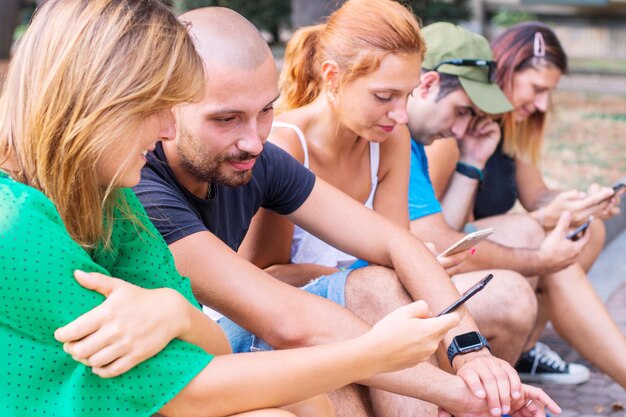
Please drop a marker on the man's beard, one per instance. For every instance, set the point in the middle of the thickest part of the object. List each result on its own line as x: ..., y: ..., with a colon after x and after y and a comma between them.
x: 206, y: 169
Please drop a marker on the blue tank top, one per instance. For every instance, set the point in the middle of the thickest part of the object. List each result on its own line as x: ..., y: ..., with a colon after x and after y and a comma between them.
x: 498, y: 192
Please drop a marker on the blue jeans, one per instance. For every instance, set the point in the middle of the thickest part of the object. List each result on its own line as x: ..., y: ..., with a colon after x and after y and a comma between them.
x: 331, y: 287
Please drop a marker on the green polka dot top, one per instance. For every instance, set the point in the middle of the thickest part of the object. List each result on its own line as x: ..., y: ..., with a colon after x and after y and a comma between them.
x: 38, y: 294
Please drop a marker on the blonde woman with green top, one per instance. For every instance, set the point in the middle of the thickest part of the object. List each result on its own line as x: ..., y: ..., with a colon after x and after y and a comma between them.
x: 89, y: 92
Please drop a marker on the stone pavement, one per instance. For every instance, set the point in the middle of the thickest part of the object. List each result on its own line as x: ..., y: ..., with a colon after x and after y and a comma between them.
x: 600, y: 396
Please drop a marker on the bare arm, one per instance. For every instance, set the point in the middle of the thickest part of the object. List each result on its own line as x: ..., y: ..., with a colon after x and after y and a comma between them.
x: 393, y: 177
x: 443, y: 155
x: 268, y: 245
x: 554, y: 254
x: 271, y: 379
x: 546, y: 205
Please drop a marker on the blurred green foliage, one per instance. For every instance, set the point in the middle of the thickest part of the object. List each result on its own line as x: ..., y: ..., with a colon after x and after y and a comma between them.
x: 430, y: 11
x: 268, y: 15
x: 506, y: 18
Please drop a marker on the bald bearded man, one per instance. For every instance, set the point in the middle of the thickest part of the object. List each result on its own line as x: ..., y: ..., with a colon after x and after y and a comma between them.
x: 202, y: 189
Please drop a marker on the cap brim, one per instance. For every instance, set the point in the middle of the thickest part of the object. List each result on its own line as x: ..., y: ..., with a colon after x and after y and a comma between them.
x: 486, y: 96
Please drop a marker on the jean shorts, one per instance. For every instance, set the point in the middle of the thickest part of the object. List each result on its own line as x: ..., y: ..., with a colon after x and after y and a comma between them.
x: 331, y: 287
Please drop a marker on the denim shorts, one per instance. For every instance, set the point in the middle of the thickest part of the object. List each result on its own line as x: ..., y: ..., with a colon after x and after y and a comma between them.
x: 331, y: 287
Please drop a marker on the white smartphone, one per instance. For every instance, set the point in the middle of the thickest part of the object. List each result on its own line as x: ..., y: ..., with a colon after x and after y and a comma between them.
x: 467, y: 241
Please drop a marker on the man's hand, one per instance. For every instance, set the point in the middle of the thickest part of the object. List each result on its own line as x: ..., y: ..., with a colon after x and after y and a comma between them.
x: 130, y: 326
x: 557, y: 252
x: 480, y: 141
x: 489, y: 378
x: 531, y: 403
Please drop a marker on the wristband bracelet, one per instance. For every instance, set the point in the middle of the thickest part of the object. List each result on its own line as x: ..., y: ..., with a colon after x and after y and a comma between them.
x: 469, y: 171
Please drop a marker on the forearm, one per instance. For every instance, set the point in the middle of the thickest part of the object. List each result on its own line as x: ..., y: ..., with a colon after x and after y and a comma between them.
x: 235, y: 383
x: 203, y: 332
x: 492, y: 255
x: 458, y: 200
x: 298, y: 275
x: 425, y: 382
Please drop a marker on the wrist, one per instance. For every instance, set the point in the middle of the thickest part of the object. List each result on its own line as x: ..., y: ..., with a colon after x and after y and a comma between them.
x: 476, y: 162
x: 464, y: 347
x: 470, y: 171
x: 460, y: 360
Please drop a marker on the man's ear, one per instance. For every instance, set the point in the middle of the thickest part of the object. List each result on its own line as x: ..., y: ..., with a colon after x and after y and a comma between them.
x: 430, y: 80
x: 330, y: 75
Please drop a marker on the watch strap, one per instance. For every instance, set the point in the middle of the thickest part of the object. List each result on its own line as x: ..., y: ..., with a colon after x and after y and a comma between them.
x: 469, y: 171
x: 453, y: 349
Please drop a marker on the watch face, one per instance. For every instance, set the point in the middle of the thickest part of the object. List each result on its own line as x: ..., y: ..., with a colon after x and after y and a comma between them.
x: 468, y: 341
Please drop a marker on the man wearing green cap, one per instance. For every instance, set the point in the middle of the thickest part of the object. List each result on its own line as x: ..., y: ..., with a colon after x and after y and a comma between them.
x: 456, y: 94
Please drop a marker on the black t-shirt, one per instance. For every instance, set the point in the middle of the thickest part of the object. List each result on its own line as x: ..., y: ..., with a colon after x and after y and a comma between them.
x: 498, y: 192
x: 279, y: 183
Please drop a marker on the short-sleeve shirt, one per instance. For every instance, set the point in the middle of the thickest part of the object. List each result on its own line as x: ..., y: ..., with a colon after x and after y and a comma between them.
x: 278, y: 183
x: 422, y: 199
x: 38, y: 294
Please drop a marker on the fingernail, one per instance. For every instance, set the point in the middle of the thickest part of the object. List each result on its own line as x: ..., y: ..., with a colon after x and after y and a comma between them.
x: 472, y: 251
x: 516, y: 394
x: 506, y: 409
x: 496, y: 412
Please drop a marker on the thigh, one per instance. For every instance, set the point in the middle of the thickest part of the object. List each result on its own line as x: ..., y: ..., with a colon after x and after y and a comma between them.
x: 516, y: 230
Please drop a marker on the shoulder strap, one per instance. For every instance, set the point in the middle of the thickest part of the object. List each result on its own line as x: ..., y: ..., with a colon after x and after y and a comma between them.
x: 300, y: 135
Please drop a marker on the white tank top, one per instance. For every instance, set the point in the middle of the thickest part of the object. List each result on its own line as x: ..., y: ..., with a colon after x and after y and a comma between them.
x: 306, y: 248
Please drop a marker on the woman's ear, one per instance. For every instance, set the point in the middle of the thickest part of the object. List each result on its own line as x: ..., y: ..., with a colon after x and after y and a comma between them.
x: 330, y: 75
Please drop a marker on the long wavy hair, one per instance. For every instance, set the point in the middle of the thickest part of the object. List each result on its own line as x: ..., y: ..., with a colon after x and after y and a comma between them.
x: 513, y: 51
x: 84, y: 73
x: 357, y: 36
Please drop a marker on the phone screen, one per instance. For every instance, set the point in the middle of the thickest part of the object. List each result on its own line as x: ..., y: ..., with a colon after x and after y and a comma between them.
x: 466, y: 295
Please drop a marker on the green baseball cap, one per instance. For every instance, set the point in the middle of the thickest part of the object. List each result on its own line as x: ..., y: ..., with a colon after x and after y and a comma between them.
x: 450, y: 49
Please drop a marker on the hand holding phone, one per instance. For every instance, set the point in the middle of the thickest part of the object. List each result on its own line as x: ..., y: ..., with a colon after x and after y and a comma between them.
x: 579, y: 231
x: 466, y: 242
x: 466, y: 295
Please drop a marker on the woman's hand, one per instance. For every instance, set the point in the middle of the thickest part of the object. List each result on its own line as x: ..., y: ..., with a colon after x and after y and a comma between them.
x: 405, y: 337
x: 130, y: 326
x: 451, y: 263
x: 580, y: 204
x: 609, y: 206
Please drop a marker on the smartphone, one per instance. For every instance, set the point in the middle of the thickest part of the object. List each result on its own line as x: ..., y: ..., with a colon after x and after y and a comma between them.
x: 618, y: 187
x: 466, y: 295
x: 467, y: 241
x: 579, y: 231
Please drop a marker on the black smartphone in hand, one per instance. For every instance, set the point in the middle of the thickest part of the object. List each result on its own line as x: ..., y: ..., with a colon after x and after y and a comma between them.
x: 577, y: 233
x: 466, y: 295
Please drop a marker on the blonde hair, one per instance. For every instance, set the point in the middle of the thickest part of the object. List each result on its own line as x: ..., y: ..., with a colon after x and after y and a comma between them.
x: 357, y: 36
x: 84, y: 72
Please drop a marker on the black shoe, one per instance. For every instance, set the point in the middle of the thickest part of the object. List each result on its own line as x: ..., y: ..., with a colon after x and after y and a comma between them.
x: 542, y: 364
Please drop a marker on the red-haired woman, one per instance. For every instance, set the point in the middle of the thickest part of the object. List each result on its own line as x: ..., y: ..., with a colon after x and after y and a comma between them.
x: 531, y: 61
x: 344, y: 90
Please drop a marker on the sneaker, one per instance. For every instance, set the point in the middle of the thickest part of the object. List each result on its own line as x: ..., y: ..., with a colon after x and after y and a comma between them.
x: 542, y: 364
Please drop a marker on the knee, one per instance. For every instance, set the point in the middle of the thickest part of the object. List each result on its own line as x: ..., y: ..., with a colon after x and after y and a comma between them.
x: 318, y: 406
x: 376, y: 286
x: 514, y: 303
x: 529, y: 233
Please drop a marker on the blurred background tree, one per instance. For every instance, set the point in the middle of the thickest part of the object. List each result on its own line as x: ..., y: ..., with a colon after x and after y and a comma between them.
x: 268, y: 15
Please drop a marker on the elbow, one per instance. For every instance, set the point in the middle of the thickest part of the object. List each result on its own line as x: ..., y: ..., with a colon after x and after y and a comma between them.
x: 292, y: 333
